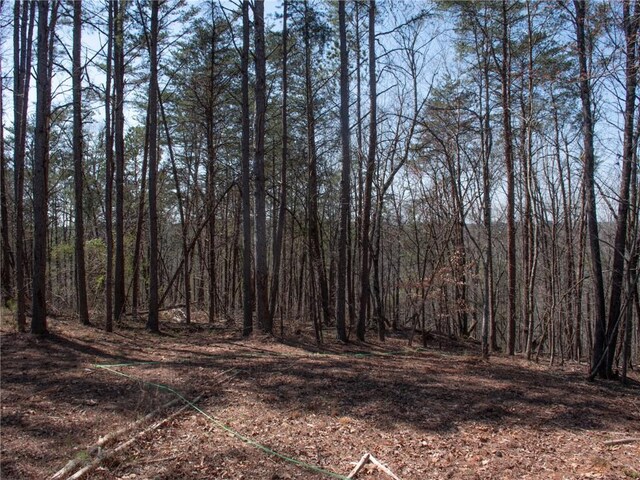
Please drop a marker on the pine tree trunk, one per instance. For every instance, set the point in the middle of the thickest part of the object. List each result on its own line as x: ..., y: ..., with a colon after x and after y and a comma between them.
x: 247, y: 236
x: 81, y: 281
x: 262, y: 272
x: 282, y: 210
x: 345, y: 183
x: 119, y: 289
x: 505, y: 77
x: 153, y: 323
x: 40, y: 174
x: 22, y: 51
x: 317, y: 272
x: 365, y: 287
x: 109, y: 177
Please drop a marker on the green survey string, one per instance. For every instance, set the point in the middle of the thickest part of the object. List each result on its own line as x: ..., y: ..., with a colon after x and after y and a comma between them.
x: 222, y: 426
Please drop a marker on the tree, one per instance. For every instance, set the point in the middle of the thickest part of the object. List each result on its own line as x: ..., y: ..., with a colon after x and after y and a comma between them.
x: 6, y: 264
x: 262, y: 271
x: 118, y: 77
x: 365, y: 288
x: 345, y: 182
x: 505, y: 80
x: 81, y: 282
x: 317, y: 277
x: 22, y: 40
x: 247, y: 237
x: 599, y: 345
x: 282, y: 209
x: 153, y: 323
x: 108, y: 195
x: 630, y: 24
x: 41, y: 169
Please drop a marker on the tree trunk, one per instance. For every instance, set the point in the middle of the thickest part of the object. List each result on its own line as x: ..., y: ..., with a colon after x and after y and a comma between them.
x: 599, y: 343
x: 630, y: 21
x: 345, y: 183
x: 108, y: 200
x: 119, y: 289
x: 22, y: 51
x: 262, y: 272
x: 135, y: 294
x: 365, y: 287
x: 81, y: 281
x: 282, y: 210
x: 40, y: 175
x: 7, y: 258
x: 505, y: 77
x: 247, y: 237
x: 317, y: 272
x: 153, y: 323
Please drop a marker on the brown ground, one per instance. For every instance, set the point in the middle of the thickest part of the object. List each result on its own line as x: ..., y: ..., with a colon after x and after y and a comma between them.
x: 425, y: 413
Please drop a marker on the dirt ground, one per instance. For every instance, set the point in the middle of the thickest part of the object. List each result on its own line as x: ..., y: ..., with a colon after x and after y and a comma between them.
x: 280, y: 409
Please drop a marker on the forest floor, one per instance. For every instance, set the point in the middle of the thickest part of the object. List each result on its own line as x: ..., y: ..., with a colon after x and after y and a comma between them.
x: 435, y: 412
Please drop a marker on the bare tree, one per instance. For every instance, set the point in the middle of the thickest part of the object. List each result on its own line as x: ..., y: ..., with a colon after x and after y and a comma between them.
x: 630, y: 24
x: 505, y: 79
x: 599, y: 344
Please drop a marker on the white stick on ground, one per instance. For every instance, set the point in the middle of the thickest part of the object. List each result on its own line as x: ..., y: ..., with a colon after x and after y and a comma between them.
x: 367, y: 457
x: 110, y: 453
x: 622, y: 441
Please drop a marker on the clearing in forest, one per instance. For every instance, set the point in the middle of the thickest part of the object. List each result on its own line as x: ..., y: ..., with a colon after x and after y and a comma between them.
x: 439, y: 412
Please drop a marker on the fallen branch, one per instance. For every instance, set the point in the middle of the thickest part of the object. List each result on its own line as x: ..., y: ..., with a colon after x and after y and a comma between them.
x: 367, y: 457
x: 102, y: 441
x: 359, y: 465
x: 622, y: 441
x: 382, y: 467
x: 110, y: 453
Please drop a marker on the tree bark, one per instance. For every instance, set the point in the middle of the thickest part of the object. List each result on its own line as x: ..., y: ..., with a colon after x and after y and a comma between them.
x: 630, y: 21
x: 153, y: 323
x: 599, y: 343
x: 505, y: 77
x: 318, y: 276
x: 119, y: 288
x: 81, y: 281
x: 345, y: 183
x: 108, y: 201
x: 22, y: 52
x: 7, y: 258
x: 247, y: 236
x: 40, y: 174
x: 365, y: 287
x: 282, y: 209
x: 262, y: 271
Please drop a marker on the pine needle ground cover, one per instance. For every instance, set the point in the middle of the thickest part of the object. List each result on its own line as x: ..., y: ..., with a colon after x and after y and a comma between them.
x: 280, y: 408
